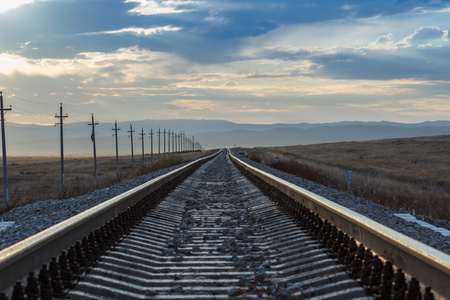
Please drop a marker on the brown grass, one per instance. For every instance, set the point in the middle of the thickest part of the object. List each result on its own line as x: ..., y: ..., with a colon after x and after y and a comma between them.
x: 412, y: 173
x: 32, y: 178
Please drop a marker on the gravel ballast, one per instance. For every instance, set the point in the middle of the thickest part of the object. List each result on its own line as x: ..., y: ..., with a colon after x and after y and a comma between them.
x: 35, y: 217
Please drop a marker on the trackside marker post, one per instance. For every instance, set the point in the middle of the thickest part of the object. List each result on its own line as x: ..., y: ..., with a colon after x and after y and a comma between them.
x: 349, y: 178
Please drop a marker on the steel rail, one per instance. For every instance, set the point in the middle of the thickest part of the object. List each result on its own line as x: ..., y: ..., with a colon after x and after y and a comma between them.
x: 29, y: 254
x: 428, y: 265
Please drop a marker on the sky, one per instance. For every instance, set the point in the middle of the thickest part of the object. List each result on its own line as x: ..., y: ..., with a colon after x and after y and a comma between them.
x: 245, y: 61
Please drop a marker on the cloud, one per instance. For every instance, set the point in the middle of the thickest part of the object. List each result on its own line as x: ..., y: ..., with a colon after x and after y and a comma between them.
x: 123, y: 65
x: 422, y: 10
x: 196, y: 105
x: 6, y: 5
x: 150, y: 7
x: 230, y: 84
x: 86, y: 103
x: 423, y: 36
x: 384, y: 42
x: 348, y: 7
x: 14, y: 63
x: 259, y: 110
x: 139, y: 31
x: 417, y: 55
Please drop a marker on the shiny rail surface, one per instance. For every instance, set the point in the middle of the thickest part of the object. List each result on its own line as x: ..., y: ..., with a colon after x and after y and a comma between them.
x: 428, y: 265
x: 28, y: 255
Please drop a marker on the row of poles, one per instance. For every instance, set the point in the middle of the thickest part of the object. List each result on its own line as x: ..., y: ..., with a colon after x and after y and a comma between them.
x: 180, y: 143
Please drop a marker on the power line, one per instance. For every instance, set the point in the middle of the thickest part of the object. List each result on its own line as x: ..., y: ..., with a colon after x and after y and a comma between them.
x: 27, y: 112
x: 76, y: 119
x: 36, y: 102
x: 66, y: 106
x: 17, y: 127
x: 70, y: 130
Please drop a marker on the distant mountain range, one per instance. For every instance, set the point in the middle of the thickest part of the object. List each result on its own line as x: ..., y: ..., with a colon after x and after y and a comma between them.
x: 45, y: 140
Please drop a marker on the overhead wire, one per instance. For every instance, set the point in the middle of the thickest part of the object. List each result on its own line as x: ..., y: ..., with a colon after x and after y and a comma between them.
x: 17, y: 127
x: 101, y: 122
x: 30, y: 101
x: 28, y: 113
x: 66, y: 106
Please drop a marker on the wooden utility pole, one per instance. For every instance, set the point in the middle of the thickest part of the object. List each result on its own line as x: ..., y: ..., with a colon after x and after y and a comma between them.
x: 168, y: 143
x: 93, y: 143
x: 159, y: 143
x: 173, y: 142
x: 175, y: 137
x: 180, y: 144
x: 132, y: 152
x: 183, y: 142
x: 61, y: 118
x: 164, y: 142
x: 143, y: 155
x: 151, y: 145
x: 117, y: 148
x: 5, y: 165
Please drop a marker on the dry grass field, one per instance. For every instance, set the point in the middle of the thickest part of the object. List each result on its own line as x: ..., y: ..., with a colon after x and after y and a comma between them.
x: 411, y: 173
x: 32, y: 178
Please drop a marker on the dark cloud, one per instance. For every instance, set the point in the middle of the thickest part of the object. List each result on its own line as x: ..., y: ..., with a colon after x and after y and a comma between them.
x: 212, y: 30
x: 426, y: 63
x: 57, y: 29
x: 425, y: 34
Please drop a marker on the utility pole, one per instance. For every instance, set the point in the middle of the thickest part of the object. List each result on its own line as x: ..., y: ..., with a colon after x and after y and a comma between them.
x: 61, y: 118
x: 164, y: 143
x: 159, y: 143
x: 168, y: 143
x: 151, y: 145
x: 117, y: 148
x: 132, y: 153
x: 173, y: 142
x: 93, y: 142
x: 142, y: 138
x: 193, y: 147
x: 5, y: 165
x: 183, y: 141
x: 176, y: 142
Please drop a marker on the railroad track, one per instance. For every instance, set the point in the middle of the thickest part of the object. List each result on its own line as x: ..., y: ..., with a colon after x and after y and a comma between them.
x: 217, y: 236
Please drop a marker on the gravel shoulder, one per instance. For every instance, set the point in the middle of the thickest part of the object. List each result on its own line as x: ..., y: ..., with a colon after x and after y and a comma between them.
x: 379, y: 213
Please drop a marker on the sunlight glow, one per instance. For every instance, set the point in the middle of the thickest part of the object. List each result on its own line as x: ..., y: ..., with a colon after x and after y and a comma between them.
x: 6, y: 5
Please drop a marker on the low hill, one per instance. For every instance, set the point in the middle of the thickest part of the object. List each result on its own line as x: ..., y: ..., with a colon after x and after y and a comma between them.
x: 45, y: 140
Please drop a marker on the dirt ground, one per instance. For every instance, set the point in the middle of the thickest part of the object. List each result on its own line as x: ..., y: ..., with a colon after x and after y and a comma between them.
x: 413, y: 173
x: 32, y: 178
